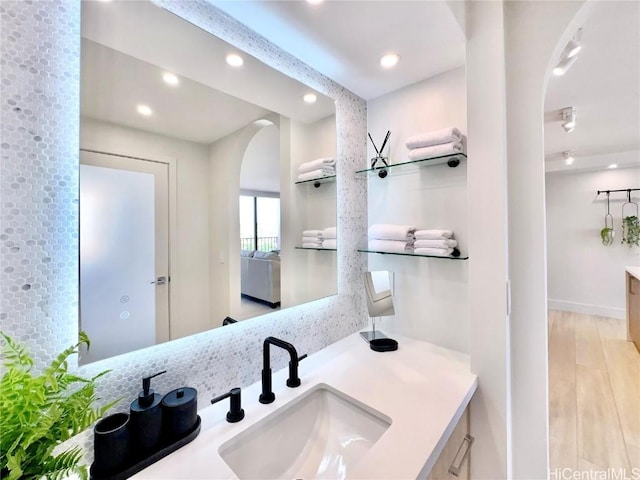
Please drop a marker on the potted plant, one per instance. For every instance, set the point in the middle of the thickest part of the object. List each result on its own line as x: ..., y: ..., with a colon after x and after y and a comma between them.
x: 631, y: 231
x: 606, y: 234
x: 41, y: 411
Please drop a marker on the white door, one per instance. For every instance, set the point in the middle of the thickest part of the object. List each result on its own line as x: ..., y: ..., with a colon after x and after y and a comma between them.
x: 124, y: 253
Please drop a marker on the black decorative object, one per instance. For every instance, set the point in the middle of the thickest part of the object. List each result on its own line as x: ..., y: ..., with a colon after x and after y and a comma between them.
x: 379, y: 158
x: 111, y: 443
x: 179, y: 412
x: 383, y: 345
x: 146, y: 419
x: 132, y: 468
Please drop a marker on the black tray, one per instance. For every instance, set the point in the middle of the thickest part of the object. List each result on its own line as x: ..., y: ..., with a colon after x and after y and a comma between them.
x: 142, y: 464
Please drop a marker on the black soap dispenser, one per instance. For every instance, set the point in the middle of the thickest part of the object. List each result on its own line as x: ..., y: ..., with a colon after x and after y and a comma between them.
x: 146, y: 420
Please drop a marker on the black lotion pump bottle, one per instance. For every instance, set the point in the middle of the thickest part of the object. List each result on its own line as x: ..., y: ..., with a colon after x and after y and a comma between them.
x: 146, y: 420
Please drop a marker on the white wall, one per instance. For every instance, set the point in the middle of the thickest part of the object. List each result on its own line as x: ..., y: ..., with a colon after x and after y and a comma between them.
x: 309, y: 274
x: 431, y: 295
x: 486, y: 148
x: 189, y: 255
x: 535, y: 34
x: 584, y: 275
x: 260, y: 171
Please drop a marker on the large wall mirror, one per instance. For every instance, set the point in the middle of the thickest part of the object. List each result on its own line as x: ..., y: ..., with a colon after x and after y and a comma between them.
x: 195, y: 182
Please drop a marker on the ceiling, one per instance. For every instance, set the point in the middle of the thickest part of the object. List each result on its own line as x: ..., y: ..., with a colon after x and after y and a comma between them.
x: 345, y: 39
x: 604, y: 87
x: 126, y: 47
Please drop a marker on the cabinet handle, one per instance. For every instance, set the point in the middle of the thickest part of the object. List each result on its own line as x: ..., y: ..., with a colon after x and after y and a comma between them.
x: 461, y: 454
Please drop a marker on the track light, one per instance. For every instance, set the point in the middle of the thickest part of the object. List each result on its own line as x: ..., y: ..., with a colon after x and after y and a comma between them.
x: 568, y: 158
x: 564, y: 65
x: 568, y: 119
x: 569, y: 55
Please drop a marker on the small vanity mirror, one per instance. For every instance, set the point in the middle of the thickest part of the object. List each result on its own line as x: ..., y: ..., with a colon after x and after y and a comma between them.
x: 377, y: 286
x: 191, y: 210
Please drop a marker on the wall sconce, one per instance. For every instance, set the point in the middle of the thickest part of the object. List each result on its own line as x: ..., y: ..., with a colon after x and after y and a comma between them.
x: 568, y: 119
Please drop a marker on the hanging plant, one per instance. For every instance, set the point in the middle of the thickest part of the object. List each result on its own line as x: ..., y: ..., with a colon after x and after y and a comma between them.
x: 606, y: 234
x: 631, y: 231
x: 39, y: 412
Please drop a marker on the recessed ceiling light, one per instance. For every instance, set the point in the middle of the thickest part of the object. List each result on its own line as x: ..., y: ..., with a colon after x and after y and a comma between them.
x: 234, y: 60
x: 263, y: 122
x: 170, y: 79
x: 564, y: 65
x: 144, y: 110
x: 389, y: 60
x: 315, y: 2
x: 310, y: 98
x: 613, y: 165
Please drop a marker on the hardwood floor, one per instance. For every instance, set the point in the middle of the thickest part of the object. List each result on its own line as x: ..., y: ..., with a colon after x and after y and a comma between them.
x: 594, y: 394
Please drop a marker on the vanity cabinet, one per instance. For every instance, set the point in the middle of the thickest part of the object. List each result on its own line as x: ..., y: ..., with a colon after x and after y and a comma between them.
x: 633, y: 309
x: 453, y: 453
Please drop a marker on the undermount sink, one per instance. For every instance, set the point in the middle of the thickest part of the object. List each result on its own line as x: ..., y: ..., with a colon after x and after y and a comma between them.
x: 321, y: 434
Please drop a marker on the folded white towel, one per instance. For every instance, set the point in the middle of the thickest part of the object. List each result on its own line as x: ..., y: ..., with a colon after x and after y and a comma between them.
x: 388, y: 231
x: 395, y: 246
x: 446, y: 135
x: 317, y: 240
x: 312, y: 245
x: 312, y: 233
x: 433, y: 234
x: 436, y: 252
x: 315, y: 164
x: 330, y: 243
x: 319, y: 173
x: 330, y: 232
x: 440, y: 243
x: 435, y: 151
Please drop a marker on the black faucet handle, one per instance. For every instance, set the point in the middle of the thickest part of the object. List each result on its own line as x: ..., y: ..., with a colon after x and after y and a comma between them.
x: 294, y: 380
x: 235, y: 413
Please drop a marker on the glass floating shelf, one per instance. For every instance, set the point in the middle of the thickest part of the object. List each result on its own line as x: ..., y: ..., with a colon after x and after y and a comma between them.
x: 451, y: 160
x: 316, y: 248
x: 410, y: 254
x: 316, y: 182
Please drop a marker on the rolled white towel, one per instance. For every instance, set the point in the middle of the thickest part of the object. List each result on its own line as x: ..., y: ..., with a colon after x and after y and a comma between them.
x: 330, y: 243
x: 436, y: 252
x: 437, y: 137
x: 433, y: 234
x: 440, y: 243
x: 319, y: 173
x: 394, y: 246
x: 312, y: 233
x: 388, y: 231
x: 317, y: 240
x: 435, y: 151
x: 312, y: 245
x: 330, y: 232
x: 316, y: 164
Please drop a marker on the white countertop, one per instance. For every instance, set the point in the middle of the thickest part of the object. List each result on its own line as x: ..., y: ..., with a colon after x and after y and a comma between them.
x: 421, y: 387
x: 635, y: 271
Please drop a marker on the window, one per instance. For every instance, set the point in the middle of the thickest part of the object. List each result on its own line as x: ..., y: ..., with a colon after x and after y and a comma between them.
x: 259, y: 223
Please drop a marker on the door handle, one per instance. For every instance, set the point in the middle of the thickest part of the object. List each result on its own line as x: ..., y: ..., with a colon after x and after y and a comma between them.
x: 160, y: 281
x: 461, y: 455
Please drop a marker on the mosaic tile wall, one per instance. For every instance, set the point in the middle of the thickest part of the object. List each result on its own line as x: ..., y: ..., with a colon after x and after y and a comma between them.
x: 39, y: 117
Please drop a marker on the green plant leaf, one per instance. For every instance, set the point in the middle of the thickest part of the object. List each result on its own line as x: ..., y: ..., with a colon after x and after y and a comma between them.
x: 41, y: 411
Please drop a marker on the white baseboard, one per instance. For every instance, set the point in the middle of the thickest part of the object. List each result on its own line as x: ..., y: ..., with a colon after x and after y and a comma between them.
x: 611, y: 312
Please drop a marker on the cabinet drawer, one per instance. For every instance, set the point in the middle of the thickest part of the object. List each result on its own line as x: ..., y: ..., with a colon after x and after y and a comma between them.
x: 453, y: 463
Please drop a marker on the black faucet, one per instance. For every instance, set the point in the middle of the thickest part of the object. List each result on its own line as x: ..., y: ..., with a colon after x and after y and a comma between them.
x: 235, y: 413
x: 293, y: 381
